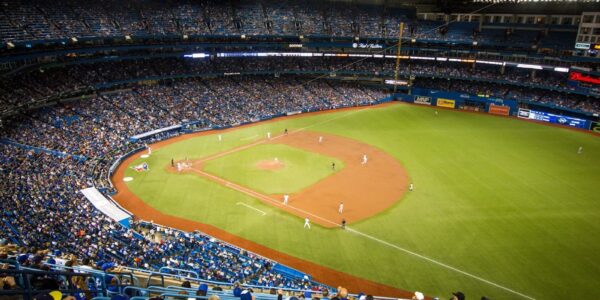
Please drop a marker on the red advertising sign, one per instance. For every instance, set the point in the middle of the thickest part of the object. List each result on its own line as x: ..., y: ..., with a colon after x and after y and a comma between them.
x: 499, y: 110
x: 584, y: 78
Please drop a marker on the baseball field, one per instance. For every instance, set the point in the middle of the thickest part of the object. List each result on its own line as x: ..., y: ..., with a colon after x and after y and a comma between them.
x: 500, y: 207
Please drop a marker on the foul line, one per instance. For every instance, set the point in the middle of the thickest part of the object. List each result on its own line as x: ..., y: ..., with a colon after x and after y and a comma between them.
x: 250, y: 207
x: 437, y: 262
x: 260, y: 196
x: 279, y: 203
x: 244, y: 147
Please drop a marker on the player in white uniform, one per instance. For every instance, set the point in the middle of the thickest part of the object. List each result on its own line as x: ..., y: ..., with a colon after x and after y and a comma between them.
x: 286, y: 197
x: 306, y: 223
x: 149, y: 149
x: 269, y: 135
x: 178, y: 167
x: 411, y: 187
x: 580, y: 150
x: 220, y: 137
x: 364, y: 160
x: 341, y: 207
x: 320, y: 139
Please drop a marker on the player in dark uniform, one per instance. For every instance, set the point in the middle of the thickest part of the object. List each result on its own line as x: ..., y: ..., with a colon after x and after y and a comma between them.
x: 285, y: 131
x: 333, y: 165
x: 343, y: 223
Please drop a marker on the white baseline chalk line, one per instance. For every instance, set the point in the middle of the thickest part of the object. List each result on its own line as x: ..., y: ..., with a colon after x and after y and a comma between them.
x: 251, y: 207
x: 278, y: 203
x: 244, y: 147
x: 431, y: 260
x: 437, y: 263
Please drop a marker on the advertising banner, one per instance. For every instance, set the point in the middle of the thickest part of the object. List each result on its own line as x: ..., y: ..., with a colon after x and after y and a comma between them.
x: 499, y: 110
x: 442, y: 102
x: 423, y: 100
x: 595, y: 127
x: 552, y: 118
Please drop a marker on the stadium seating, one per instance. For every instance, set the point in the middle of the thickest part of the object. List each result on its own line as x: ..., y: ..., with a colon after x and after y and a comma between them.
x: 39, y: 20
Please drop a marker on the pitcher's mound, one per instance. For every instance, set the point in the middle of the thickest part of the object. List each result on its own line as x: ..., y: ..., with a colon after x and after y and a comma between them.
x: 272, y: 164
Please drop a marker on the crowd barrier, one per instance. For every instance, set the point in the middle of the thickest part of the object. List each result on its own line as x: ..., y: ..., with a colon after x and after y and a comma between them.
x: 40, y: 149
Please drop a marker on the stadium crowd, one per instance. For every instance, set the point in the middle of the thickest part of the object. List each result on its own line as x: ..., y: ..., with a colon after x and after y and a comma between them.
x: 43, y: 209
x: 42, y: 20
x: 77, y: 79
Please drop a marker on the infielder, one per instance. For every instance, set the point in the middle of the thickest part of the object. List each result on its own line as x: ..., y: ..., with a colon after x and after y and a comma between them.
x: 341, y: 207
x: 269, y: 135
x: 178, y: 167
x: 364, y: 160
x: 580, y: 150
x: 320, y: 139
x: 286, y: 197
x: 306, y: 223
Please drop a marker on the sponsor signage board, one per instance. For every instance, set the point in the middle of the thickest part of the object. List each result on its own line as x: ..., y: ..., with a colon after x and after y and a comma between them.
x: 442, y: 102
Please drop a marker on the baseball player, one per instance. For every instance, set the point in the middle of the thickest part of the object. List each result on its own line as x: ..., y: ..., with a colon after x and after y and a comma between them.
x: 320, y: 139
x: 286, y: 197
x: 149, y: 149
x: 306, y: 223
x: 333, y: 166
x: 285, y: 131
x: 269, y: 135
x: 220, y: 137
x: 343, y: 223
x: 364, y: 160
x: 341, y: 207
x: 580, y: 150
x: 178, y: 167
x: 411, y: 187
x: 436, y: 112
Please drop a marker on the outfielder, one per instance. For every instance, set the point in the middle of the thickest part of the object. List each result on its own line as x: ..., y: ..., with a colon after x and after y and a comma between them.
x: 341, y: 207
x: 286, y: 197
x: 410, y: 187
x: 220, y: 137
x: 580, y: 150
x: 269, y: 135
x: 306, y: 223
x: 364, y: 160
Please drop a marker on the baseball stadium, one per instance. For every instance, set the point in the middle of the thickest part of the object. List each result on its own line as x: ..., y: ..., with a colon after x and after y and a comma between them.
x: 290, y: 150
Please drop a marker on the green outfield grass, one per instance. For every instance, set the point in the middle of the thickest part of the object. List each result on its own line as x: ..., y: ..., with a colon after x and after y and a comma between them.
x: 507, y: 201
x: 301, y: 168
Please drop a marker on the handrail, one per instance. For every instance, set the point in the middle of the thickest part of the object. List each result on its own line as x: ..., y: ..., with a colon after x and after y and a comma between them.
x: 179, y: 270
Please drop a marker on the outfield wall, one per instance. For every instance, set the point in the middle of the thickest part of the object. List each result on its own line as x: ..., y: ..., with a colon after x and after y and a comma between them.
x: 495, y: 106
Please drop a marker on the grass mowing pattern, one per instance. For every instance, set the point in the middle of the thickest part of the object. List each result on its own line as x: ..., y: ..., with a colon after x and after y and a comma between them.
x: 507, y: 200
x: 302, y: 168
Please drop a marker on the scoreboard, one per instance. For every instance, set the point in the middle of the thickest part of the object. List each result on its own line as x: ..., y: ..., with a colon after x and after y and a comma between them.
x: 552, y: 118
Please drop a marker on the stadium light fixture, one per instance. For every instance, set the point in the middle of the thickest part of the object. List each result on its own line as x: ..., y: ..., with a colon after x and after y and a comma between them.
x: 528, y: 66
x: 197, y: 55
